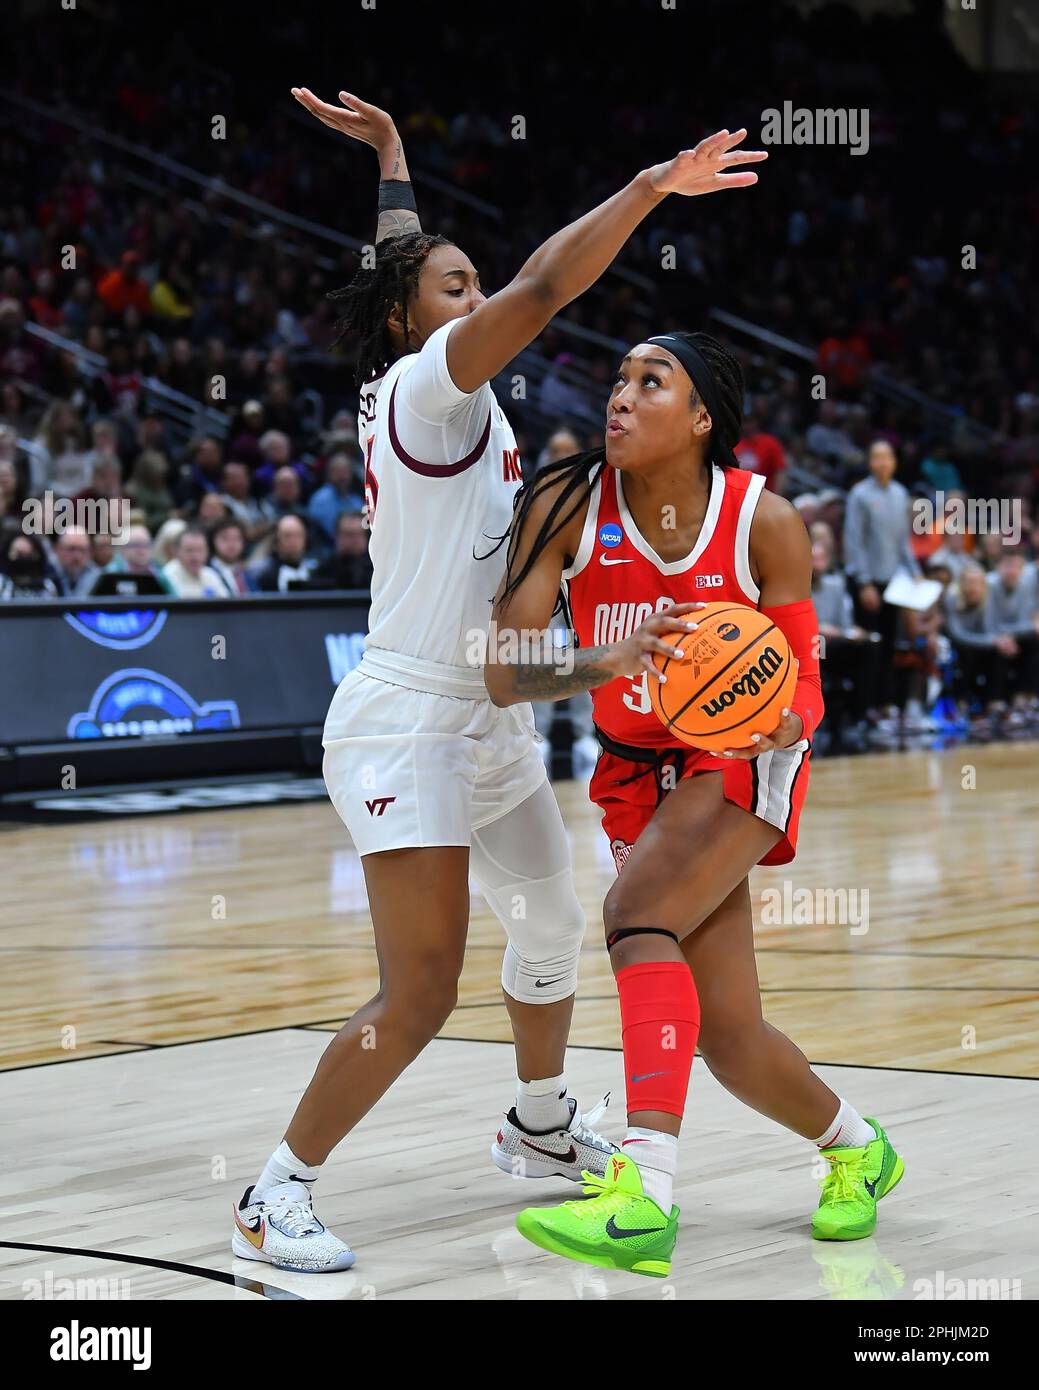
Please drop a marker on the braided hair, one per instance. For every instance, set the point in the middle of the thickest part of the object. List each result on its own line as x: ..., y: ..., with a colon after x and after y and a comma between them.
x: 577, y: 476
x: 368, y: 300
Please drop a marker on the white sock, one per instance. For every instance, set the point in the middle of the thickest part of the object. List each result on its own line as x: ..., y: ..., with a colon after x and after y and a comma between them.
x: 848, y: 1130
x: 542, y: 1105
x: 656, y: 1155
x: 284, y: 1166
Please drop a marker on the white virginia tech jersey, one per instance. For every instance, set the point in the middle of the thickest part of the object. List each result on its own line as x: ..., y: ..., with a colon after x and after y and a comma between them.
x: 441, y: 472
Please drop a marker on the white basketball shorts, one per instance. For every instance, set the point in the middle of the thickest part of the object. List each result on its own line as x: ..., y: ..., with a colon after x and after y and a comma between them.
x: 408, y: 768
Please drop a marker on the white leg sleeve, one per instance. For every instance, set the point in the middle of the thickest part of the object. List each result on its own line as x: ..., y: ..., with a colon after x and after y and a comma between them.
x: 522, y: 865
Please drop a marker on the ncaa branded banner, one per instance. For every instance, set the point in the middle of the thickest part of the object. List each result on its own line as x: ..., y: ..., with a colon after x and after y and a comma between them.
x: 97, y: 669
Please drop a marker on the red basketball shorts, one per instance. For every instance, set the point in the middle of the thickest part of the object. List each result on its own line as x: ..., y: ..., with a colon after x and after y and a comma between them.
x: 771, y: 786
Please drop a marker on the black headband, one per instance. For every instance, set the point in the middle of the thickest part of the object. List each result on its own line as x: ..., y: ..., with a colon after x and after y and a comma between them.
x: 702, y: 377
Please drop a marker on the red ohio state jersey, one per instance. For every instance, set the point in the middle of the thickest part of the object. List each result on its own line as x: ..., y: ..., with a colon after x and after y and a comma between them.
x: 617, y: 580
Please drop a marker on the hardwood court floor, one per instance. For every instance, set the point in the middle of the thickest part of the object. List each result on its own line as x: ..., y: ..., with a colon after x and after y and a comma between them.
x: 139, y: 932
x: 168, y: 983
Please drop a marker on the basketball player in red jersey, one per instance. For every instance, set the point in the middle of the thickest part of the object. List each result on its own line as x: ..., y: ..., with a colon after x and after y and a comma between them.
x: 636, y: 536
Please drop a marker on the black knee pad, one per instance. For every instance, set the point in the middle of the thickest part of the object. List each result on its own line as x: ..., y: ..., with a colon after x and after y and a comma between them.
x: 616, y: 936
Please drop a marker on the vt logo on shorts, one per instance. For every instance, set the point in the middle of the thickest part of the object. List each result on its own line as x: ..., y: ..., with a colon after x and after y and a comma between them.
x: 380, y: 802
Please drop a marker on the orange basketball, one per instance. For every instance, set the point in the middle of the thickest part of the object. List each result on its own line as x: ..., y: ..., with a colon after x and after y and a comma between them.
x: 736, y: 677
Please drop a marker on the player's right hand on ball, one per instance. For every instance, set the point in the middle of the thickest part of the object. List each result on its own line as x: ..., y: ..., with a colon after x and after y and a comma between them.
x: 660, y: 633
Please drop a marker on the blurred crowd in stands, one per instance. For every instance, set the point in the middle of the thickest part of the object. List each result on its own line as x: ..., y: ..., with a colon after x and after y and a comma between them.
x: 861, y: 261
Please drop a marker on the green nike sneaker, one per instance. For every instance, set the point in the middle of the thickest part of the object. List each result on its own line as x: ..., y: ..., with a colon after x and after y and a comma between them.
x: 857, y: 1180
x: 616, y: 1226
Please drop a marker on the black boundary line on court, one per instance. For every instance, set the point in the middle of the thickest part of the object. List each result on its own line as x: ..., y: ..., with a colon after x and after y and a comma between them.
x: 325, y: 1026
x: 274, y: 1291
x: 494, y: 946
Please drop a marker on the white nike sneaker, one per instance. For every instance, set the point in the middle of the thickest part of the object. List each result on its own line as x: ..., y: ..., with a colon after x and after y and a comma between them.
x: 564, y: 1153
x: 281, y: 1229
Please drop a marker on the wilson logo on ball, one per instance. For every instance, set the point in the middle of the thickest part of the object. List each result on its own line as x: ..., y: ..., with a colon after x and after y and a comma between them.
x: 734, y: 680
x: 751, y: 683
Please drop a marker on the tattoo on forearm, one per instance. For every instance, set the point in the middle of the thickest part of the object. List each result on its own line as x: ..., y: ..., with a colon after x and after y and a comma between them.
x: 396, y: 161
x: 537, y: 680
x: 395, y: 222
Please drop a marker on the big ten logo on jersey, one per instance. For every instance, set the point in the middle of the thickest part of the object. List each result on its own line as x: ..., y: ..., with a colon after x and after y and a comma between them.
x: 511, y: 472
x: 709, y: 581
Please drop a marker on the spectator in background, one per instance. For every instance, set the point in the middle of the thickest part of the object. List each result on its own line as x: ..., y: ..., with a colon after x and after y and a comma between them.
x: 252, y: 514
x: 953, y: 552
x: 77, y: 309
x: 16, y: 409
x: 12, y: 493
x: 124, y: 286
x: 350, y: 567
x: 182, y: 371
x: 172, y: 295
x: 106, y: 480
x: 761, y: 452
x: 102, y: 548
x: 280, y: 408
x: 827, y: 440
x: 45, y: 303
x: 561, y: 444
x: 73, y: 564
x: 289, y: 564
x: 166, y: 538
x: 1014, y: 615
x: 148, y: 490
x: 286, y: 497
x: 211, y: 509
x: 876, y: 544
x: 337, y: 496
x: 979, y: 677
x: 189, y: 575
x: 134, y: 557
x: 276, y: 448
x: 228, y: 559
x: 202, y: 476
x: 844, y: 357
x: 119, y: 388
x: 1013, y: 597
x: 940, y: 472
x: 62, y: 464
x: 850, y: 657
x: 23, y: 570
x: 246, y: 434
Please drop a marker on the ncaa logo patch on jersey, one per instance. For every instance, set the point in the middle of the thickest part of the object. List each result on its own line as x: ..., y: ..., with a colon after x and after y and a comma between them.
x: 610, y: 535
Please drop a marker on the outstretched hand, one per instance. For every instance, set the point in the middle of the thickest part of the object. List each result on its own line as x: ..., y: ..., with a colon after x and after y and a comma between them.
x: 707, y: 168
x: 355, y: 117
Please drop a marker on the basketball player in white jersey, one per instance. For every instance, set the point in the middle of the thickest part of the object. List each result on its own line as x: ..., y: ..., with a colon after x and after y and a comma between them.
x: 431, y: 779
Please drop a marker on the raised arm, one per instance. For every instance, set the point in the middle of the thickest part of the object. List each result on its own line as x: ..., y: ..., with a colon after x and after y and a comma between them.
x: 572, y: 260
x: 398, y: 212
